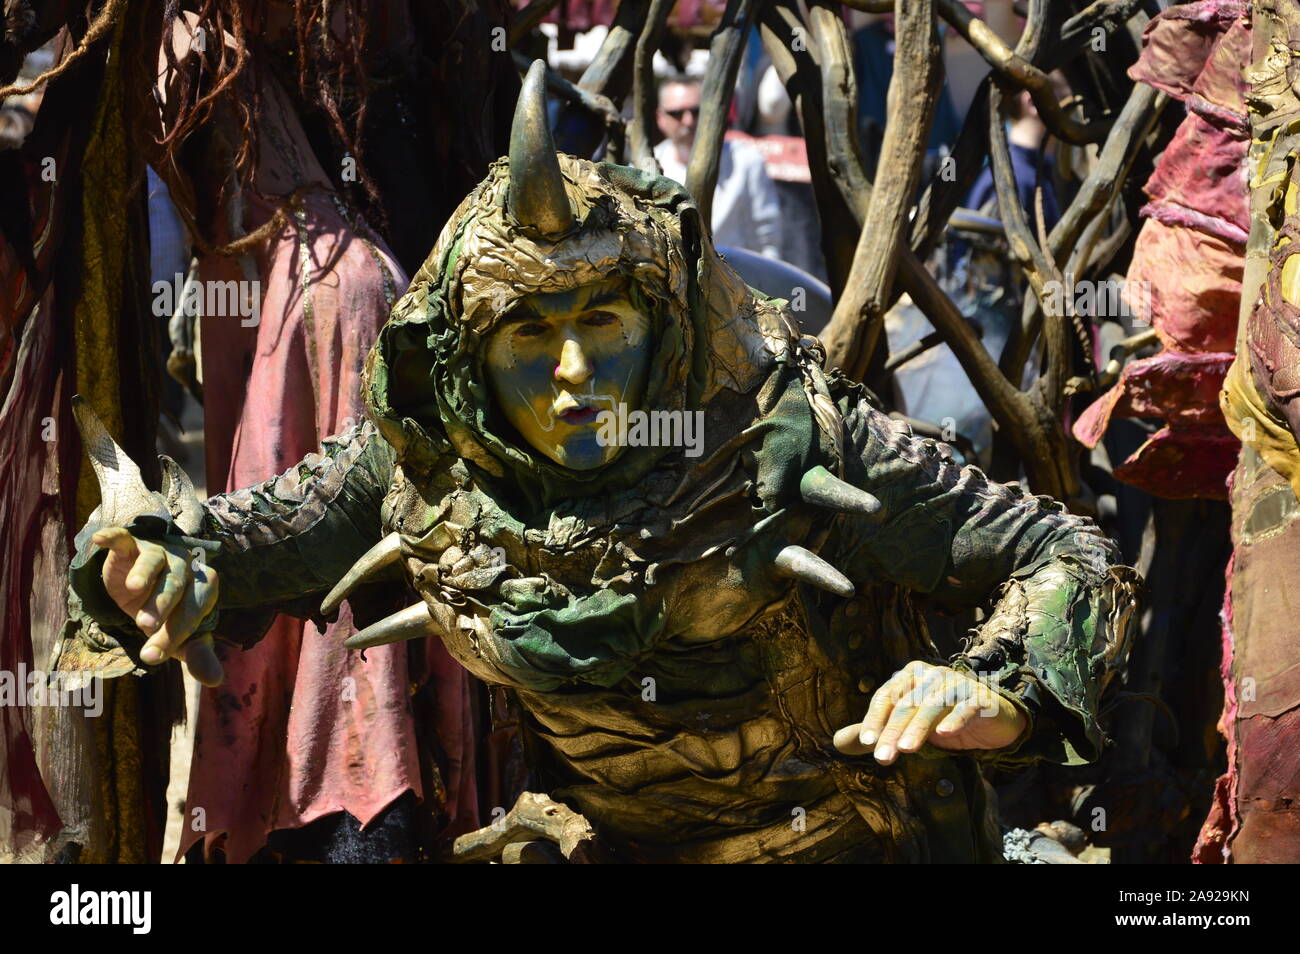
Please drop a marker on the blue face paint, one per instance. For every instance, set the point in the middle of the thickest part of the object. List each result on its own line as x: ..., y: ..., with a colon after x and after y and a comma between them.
x: 563, y: 358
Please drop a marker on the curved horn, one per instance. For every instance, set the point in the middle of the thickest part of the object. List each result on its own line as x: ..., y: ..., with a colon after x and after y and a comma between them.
x: 411, y: 623
x: 800, y: 564
x: 822, y: 488
x: 536, y: 198
x: 383, y: 554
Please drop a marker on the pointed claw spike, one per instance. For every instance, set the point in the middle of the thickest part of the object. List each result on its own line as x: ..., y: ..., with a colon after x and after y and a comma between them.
x: 178, y: 492
x: 536, y: 197
x: 413, y: 622
x: 800, y: 564
x: 122, y: 492
x: 383, y: 554
x: 822, y: 488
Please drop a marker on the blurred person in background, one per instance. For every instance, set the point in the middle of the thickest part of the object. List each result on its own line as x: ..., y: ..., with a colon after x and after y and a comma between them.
x: 873, y: 68
x: 1026, y: 134
x: 746, y: 210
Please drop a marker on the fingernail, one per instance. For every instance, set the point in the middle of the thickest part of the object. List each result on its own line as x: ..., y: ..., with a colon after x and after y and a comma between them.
x: 146, y: 620
x: 868, y: 738
x: 151, y: 655
x: 884, y: 753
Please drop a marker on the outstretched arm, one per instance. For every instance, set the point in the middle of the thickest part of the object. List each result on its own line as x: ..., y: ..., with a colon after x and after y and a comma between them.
x: 1057, y: 636
x: 294, y: 536
x: 272, y: 548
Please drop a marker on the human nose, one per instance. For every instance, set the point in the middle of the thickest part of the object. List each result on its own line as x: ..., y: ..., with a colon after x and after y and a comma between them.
x: 574, y: 366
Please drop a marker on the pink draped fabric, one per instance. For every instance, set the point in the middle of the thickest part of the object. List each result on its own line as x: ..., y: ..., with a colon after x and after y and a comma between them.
x: 1189, y: 256
x: 302, y: 727
x: 31, y: 514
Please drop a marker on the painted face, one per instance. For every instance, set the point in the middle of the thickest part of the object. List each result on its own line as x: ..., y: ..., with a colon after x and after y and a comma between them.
x: 560, y: 358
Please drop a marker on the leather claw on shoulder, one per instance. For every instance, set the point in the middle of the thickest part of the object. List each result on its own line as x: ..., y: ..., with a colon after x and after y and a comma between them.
x: 383, y: 554
x: 802, y: 564
x: 823, y: 489
x: 413, y: 622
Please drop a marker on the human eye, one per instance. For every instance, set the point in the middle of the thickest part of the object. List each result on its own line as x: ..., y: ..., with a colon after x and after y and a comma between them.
x: 530, y: 329
x: 600, y: 318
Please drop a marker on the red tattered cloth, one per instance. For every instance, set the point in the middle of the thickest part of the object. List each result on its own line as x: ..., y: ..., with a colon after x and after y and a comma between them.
x: 30, y: 369
x: 35, y: 540
x: 1184, y: 458
x: 302, y: 727
x: 1189, y: 254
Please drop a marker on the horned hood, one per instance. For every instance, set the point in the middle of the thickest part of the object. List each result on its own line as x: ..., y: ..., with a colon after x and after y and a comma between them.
x: 426, y: 383
x: 539, y: 576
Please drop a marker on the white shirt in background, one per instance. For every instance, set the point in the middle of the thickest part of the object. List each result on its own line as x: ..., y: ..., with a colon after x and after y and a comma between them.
x: 746, y: 210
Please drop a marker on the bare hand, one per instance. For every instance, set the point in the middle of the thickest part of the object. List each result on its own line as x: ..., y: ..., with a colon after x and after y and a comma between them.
x: 167, y: 594
x: 924, y: 703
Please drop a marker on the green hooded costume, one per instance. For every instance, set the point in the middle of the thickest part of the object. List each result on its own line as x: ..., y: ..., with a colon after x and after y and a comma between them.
x: 683, y: 634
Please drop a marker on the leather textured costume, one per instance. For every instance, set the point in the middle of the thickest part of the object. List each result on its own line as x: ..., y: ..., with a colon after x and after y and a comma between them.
x: 683, y: 634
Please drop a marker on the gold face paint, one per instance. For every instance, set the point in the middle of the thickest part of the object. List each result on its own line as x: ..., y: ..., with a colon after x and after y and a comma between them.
x: 560, y: 358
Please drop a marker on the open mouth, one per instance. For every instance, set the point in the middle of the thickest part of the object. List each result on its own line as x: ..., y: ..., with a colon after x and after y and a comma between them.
x: 577, y: 416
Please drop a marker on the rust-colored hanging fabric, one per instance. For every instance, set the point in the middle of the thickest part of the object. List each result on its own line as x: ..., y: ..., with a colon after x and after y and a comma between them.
x: 76, y: 293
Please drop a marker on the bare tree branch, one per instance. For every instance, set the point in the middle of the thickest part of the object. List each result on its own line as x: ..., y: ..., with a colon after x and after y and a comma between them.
x: 1094, y: 197
x: 920, y: 347
x: 610, y: 70
x: 640, y: 135
x: 783, y: 35
x: 1005, y: 402
x: 594, y: 103
x: 725, y: 50
x: 1029, y: 421
x: 1013, y: 68
x: 1009, y: 408
x: 1109, y: 15
x: 1014, y: 223
x: 839, y: 100
x: 955, y: 176
x: 529, y: 18
x: 913, y: 91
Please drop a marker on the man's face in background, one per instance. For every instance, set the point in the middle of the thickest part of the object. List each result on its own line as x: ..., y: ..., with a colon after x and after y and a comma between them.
x: 678, y: 113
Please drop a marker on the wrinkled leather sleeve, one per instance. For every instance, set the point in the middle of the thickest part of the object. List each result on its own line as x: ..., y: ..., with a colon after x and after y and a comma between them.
x: 1059, y: 632
x: 287, y: 541
x: 278, y: 546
